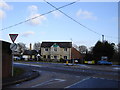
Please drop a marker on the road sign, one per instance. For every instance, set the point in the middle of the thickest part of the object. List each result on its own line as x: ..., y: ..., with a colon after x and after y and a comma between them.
x: 13, y: 37
x: 13, y: 46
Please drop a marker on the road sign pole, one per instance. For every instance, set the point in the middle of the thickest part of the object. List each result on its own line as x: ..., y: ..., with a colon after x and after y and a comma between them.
x: 13, y: 47
x: 12, y: 63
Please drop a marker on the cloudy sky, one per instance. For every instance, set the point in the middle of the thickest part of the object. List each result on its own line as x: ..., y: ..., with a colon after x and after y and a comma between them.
x: 99, y: 17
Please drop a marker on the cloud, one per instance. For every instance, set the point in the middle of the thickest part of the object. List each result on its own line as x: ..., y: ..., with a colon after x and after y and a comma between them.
x: 4, y: 5
x: 57, y: 13
x: 28, y: 33
x: 33, y: 9
x: 2, y: 14
x: 37, y: 20
x: 83, y: 14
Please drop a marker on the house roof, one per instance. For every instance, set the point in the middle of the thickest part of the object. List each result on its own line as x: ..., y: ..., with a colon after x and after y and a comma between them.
x: 30, y: 52
x: 60, y: 44
x: 75, y: 54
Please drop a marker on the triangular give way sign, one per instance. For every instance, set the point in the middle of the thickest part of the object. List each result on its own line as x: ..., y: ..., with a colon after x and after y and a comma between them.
x: 13, y: 37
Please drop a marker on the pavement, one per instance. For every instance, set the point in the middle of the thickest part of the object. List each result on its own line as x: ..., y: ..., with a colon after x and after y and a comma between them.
x: 27, y: 75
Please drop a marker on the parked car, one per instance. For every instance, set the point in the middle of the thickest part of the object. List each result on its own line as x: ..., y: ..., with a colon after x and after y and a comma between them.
x: 103, y: 62
x: 16, y: 58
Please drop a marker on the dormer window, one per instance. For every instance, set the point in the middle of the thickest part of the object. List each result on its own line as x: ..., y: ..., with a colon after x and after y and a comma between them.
x: 55, y: 46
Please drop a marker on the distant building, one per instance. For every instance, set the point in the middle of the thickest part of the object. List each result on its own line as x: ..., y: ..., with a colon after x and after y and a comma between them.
x: 30, y: 54
x: 56, y: 50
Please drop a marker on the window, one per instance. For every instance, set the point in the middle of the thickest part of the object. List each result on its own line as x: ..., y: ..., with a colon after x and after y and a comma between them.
x: 55, y: 57
x: 55, y: 48
x: 65, y: 49
x: 46, y: 49
x: 65, y: 57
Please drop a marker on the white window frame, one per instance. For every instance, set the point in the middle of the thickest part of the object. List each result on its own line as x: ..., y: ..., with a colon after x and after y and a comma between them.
x: 46, y: 49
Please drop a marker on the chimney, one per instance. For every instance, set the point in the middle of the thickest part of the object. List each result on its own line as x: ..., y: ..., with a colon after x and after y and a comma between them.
x: 30, y: 46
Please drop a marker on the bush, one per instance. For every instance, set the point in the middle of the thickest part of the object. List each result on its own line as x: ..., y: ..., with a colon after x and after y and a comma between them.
x: 62, y: 60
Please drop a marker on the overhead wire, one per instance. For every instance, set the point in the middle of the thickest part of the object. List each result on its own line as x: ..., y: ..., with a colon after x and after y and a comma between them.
x: 77, y: 21
x: 38, y: 16
x: 61, y: 12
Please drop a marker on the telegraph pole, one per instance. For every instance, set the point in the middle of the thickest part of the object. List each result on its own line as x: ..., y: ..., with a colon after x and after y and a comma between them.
x: 102, y: 38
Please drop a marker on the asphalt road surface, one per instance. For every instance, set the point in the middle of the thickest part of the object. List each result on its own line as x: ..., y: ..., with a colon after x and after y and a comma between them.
x: 61, y: 76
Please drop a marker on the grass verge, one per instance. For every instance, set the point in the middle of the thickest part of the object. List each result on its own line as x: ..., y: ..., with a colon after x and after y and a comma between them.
x: 18, y: 71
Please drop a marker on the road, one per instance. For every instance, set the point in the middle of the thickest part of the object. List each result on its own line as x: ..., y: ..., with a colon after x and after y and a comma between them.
x: 60, y: 76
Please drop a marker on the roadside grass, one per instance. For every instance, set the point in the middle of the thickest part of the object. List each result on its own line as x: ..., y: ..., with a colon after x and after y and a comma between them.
x: 36, y: 61
x: 18, y: 71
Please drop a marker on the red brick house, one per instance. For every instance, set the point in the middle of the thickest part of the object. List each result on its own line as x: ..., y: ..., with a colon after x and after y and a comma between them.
x: 76, y: 55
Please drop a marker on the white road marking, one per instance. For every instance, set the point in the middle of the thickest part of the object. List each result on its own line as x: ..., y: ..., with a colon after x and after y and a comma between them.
x: 82, y: 65
x: 117, y: 68
x: 61, y: 80
x: 37, y: 71
x: 49, y: 82
x: 29, y: 64
x: 78, y: 82
x: 105, y: 78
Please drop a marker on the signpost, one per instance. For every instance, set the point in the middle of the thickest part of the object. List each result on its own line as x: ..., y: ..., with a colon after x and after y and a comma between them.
x: 13, y: 37
x: 13, y: 47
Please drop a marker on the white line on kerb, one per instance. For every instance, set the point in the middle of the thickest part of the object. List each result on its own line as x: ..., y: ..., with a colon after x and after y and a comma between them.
x: 78, y: 82
x: 29, y: 64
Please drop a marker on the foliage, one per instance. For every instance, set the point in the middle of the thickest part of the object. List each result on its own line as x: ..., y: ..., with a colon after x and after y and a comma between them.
x: 62, y: 60
x: 21, y: 47
x: 103, y: 49
x: 82, y: 49
x: 88, y: 57
x: 37, y: 46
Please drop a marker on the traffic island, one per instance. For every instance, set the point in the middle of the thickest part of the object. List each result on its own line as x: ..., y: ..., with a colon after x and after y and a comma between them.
x: 19, y: 77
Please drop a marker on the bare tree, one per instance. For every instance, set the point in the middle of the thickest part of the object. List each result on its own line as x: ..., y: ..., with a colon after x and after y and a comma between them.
x: 82, y: 49
x: 75, y: 46
x: 91, y: 49
x: 37, y: 46
x: 21, y: 47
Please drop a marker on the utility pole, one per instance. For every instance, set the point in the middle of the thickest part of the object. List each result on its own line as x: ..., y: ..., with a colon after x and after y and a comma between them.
x: 72, y: 58
x: 102, y: 38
